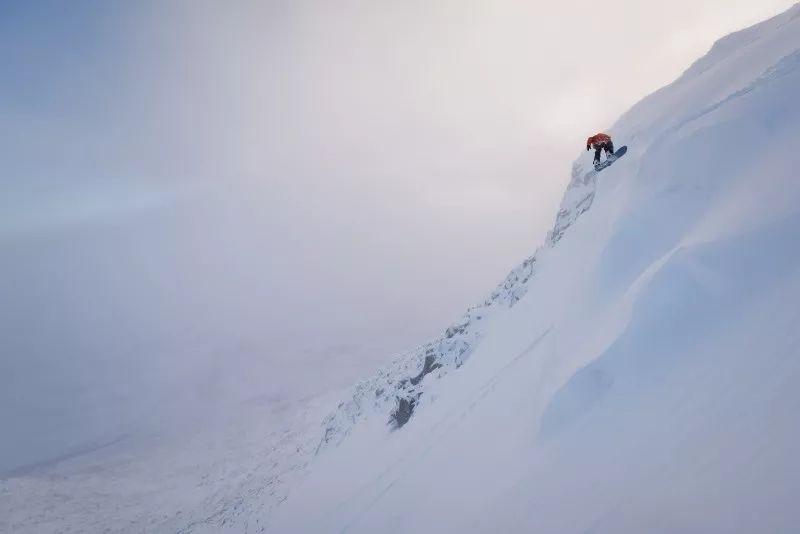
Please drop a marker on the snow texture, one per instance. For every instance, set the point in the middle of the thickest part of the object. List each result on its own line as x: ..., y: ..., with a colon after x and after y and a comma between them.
x: 637, y: 373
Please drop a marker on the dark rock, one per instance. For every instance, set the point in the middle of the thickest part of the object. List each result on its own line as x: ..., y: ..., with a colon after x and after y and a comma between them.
x: 429, y: 367
x: 405, y: 407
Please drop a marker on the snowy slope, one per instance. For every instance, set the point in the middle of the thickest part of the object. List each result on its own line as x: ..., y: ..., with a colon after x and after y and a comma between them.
x: 639, y: 372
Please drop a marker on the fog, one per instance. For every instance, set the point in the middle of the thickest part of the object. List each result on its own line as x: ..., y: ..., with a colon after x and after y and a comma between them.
x: 201, y: 203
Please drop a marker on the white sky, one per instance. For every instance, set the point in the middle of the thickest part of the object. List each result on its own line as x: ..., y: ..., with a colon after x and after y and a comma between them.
x: 290, y: 180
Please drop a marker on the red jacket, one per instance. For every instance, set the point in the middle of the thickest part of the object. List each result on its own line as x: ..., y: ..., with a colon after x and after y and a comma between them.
x: 597, y: 140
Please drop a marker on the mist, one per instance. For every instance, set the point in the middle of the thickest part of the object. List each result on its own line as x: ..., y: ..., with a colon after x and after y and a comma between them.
x: 204, y: 204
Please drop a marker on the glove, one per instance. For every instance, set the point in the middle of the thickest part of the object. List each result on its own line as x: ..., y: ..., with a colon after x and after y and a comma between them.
x: 588, y: 148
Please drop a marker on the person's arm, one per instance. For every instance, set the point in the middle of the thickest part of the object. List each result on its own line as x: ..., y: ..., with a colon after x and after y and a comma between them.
x: 589, y: 144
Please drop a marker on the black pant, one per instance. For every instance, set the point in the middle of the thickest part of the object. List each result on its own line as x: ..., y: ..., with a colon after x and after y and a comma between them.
x: 598, y: 149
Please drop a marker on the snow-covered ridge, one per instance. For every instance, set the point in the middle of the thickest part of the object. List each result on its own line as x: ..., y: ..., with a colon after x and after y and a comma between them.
x: 655, y: 328
x: 397, y: 390
x: 390, y: 397
x: 639, y: 372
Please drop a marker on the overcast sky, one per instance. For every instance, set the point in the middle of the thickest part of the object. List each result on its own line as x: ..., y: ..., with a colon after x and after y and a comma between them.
x: 205, y: 200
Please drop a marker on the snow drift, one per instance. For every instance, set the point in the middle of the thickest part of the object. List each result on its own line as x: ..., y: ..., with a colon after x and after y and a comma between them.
x: 638, y: 373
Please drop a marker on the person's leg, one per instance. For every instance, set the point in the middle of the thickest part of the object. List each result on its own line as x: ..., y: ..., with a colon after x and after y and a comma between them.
x: 609, y: 148
x: 598, y: 149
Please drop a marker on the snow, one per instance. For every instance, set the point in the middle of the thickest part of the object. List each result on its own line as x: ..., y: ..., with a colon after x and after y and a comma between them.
x: 643, y: 377
x: 637, y: 373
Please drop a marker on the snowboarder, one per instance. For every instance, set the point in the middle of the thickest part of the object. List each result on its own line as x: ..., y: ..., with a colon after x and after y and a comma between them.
x: 600, y: 142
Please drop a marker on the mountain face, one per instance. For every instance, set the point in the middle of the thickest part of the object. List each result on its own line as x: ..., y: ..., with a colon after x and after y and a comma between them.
x: 639, y: 372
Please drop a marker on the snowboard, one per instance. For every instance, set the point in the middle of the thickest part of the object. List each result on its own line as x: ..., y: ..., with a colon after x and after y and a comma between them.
x: 612, y: 158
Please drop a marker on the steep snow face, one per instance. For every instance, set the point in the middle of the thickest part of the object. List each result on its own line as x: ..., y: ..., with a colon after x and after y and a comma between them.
x: 395, y: 392
x: 639, y: 372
